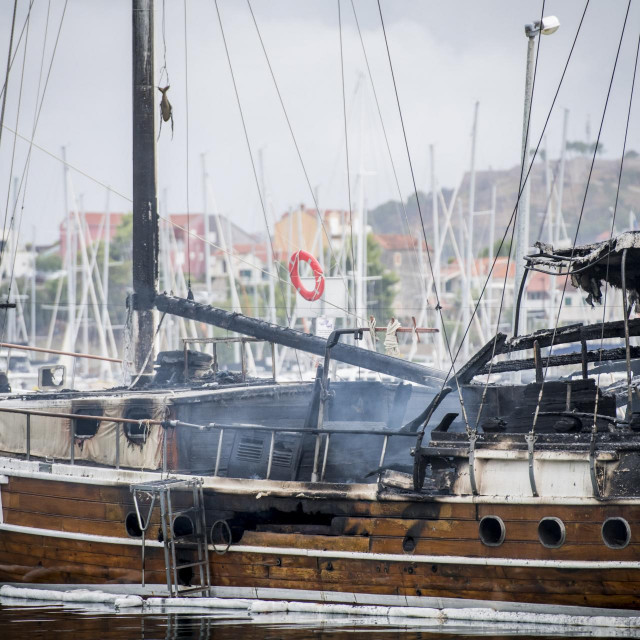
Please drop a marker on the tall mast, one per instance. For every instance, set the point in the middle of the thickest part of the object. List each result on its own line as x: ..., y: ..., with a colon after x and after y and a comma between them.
x: 145, y: 201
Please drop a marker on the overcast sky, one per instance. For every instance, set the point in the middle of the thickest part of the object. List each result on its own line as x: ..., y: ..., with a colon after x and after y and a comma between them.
x: 446, y: 55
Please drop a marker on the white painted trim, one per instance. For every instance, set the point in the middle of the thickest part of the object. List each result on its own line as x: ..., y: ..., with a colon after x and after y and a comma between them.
x: 104, y: 476
x: 352, y: 555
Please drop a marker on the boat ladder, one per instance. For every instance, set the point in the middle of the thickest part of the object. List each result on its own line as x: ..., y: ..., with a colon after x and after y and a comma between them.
x: 183, y: 529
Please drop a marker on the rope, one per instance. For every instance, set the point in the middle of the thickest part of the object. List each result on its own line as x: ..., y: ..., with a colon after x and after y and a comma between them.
x: 613, y: 222
x: 253, y: 164
x: 346, y: 148
x: 15, y: 51
x: 17, y: 195
x: 186, y: 93
x: 575, y: 238
x: 386, y: 140
x: 424, y: 233
x: 522, y: 188
x: 515, y: 208
x: 163, y: 70
x: 4, y: 97
x: 297, y: 147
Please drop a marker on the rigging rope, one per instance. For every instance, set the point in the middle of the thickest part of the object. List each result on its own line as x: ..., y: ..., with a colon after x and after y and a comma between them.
x: 17, y: 47
x: 386, y: 140
x: 253, y: 165
x: 521, y: 189
x: 5, y: 234
x: 186, y: 93
x: 25, y: 173
x: 346, y: 147
x: 575, y: 238
x: 613, y: 222
x: 415, y: 188
x: 4, y: 97
x: 515, y: 208
x: 297, y: 147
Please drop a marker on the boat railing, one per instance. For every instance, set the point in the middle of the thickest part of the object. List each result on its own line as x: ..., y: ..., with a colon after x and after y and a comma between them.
x: 319, y: 468
x: 318, y: 471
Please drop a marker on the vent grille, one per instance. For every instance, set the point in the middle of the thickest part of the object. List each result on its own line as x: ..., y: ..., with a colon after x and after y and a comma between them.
x: 250, y: 449
x: 282, y: 457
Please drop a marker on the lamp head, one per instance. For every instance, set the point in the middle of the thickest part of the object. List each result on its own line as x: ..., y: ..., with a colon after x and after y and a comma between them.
x: 546, y: 26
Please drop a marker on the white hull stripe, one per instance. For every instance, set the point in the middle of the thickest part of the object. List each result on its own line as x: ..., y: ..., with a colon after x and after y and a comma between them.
x: 351, y: 555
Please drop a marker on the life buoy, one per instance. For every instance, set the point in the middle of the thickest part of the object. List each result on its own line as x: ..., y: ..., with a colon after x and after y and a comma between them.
x: 318, y: 274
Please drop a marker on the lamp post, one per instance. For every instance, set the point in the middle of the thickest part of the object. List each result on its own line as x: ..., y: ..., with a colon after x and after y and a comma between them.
x: 546, y: 26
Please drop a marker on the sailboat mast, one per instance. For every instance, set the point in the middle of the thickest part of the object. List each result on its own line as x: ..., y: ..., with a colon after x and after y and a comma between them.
x: 145, y: 201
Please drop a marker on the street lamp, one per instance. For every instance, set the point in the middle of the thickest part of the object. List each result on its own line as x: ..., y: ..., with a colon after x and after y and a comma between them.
x: 546, y: 26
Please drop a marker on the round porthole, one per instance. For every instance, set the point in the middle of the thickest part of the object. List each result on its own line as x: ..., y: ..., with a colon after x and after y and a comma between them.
x: 408, y: 544
x: 491, y: 531
x: 551, y: 532
x: 616, y: 533
x: 132, y: 525
x: 182, y: 526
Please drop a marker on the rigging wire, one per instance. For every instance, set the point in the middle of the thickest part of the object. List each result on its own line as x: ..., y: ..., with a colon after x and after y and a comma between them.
x: 4, y: 97
x: 25, y: 173
x: 13, y: 155
x: 164, y: 72
x: 415, y: 188
x: 613, y: 222
x: 515, y: 208
x: 575, y: 238
x: 386, y: 140
x: 297, y: 148
x: 253, y: 164
x: 17, y: 47
x: 186, y: 94
x: 193, y: 234
x: 346, y: 147
x: 522, y: 188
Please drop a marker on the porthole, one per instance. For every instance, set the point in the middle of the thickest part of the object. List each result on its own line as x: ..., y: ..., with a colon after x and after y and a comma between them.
x: 616, y: 533
x: 85, y: 428
x: 408, y: 544
x: 137, y: 433
x: 491, y: 531
x: 551, y: 532
x: 182, y: 526
x: 132, y: 525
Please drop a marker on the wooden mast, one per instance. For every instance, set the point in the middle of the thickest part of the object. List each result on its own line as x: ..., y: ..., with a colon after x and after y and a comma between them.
x: 145, y: 208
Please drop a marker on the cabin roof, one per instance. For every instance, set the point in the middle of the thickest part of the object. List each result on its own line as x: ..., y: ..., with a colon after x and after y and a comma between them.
x: 592, y: 264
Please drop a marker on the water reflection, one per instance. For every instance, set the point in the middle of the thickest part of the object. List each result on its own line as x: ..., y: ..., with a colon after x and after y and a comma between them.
x: 30, y: 622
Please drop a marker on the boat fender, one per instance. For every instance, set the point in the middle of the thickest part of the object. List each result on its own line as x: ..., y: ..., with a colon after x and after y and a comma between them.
x: 318, y: 274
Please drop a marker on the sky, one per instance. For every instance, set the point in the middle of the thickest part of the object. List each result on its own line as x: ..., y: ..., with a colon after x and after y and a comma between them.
x: 446, y: 56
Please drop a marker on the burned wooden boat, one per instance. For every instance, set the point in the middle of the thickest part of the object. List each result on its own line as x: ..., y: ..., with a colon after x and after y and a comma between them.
x: 453, y: 492
x: 533, y: 506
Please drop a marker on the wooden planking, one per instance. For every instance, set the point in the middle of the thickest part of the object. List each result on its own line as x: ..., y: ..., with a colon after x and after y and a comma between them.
x: 464, y: 529
x: 566, y: 513
x: 334, y: 543
x: 509, y: 549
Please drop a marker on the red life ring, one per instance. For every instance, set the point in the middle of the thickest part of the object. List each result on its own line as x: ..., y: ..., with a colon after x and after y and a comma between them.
x: 317, y: 273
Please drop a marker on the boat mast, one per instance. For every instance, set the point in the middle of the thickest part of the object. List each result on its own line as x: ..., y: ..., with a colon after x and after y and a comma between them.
x: 145, y: 201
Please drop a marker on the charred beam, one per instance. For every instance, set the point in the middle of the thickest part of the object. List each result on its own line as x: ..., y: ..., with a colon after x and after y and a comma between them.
x: 477, y: 363
x: 145, y: 209
x: 604, y: 355
x: 262, y: 330
x: 571, y: 333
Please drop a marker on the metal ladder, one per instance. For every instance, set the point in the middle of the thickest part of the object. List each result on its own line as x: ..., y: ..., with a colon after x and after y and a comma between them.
x: 160, y: 491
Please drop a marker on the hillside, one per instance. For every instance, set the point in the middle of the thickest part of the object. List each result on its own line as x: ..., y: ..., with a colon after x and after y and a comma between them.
x: 596, y: 220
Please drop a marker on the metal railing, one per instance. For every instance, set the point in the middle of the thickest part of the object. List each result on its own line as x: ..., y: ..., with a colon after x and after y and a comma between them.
x: 325, y: 433
x: 319, y: 433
